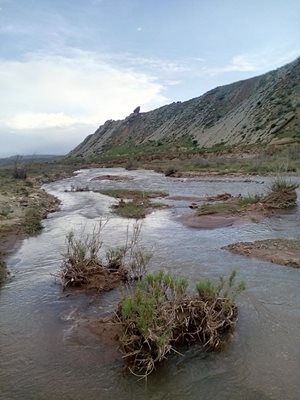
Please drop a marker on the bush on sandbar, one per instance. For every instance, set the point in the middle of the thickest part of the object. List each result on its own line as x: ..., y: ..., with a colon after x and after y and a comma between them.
x: 86, y: 264
x: 160, y: 316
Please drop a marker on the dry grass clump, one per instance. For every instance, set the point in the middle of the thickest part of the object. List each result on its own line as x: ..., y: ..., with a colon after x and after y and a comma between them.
x: 282, y: 194
x: 87, y: 265
x: 159, y: 316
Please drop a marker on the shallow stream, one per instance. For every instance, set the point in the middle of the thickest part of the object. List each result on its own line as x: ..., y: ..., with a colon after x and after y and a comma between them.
x: 44, y: 355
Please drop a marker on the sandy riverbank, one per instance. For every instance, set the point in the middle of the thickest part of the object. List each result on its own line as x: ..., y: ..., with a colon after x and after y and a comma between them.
x: 278, y: 251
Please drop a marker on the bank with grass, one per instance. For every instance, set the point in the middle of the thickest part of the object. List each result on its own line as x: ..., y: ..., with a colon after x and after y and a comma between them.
x: 187, y: 160
x: 24, y: 204
x: 134, y: 203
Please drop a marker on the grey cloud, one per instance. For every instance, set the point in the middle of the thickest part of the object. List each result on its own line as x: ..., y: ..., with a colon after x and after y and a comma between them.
x: 48, y: 141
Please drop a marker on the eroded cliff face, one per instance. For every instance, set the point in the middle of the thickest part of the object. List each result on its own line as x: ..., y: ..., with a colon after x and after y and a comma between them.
x: 255, y: 110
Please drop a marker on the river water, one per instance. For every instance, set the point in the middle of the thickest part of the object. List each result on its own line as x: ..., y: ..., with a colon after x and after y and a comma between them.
x: 45, y: 355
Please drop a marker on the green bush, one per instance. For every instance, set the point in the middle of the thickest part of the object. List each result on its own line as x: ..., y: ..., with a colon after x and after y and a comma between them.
x: 227, y: 288
x: 159, y: 315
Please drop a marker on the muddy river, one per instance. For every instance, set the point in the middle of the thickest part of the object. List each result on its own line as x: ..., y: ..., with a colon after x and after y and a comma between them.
x: 45, y: 354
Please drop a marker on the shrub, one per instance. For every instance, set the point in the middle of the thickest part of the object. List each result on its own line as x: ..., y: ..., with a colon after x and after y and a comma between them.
x: 32, y: 221
x: 159, y: 315
x: 282, y: 194
x: 226, y: 288
x: 85, y: 263
x: 20, y: 173
x: 170, y: 171
x: 280, y: 184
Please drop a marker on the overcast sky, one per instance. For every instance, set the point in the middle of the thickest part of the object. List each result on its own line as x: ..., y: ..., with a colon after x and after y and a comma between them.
x: 66, y: 66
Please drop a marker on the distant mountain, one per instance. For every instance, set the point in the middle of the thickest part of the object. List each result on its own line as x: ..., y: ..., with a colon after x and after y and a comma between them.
x: 255, y: 110
x: 29, y: 158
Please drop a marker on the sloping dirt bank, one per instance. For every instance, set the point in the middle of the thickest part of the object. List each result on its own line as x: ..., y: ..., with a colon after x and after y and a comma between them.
x: 278, y: 251
x: 23, y: 205
x: 24, y: 219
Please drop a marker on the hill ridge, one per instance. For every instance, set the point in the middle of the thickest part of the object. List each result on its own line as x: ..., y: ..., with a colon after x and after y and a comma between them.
x: 249, y: 111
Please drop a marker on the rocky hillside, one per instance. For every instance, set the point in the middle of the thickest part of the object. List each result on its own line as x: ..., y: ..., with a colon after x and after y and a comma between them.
x: 262, y: 109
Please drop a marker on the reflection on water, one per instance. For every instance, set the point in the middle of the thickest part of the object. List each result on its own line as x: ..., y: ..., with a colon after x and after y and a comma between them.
x: 44, y: 354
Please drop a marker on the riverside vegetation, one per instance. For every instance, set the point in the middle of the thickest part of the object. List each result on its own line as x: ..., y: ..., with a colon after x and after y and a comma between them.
x: 187, y: 159
x: 157, y: 315
x: 86, y: 265
x: 282, y: 195
x: 134, y: 203
x: 160, y: 316
x: 23, y: 204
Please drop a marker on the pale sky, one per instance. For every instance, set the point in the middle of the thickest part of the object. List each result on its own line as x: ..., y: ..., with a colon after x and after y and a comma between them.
x: 66, y: 66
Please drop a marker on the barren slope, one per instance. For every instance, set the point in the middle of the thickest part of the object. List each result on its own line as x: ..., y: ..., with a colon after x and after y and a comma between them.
x: 256, y: 110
